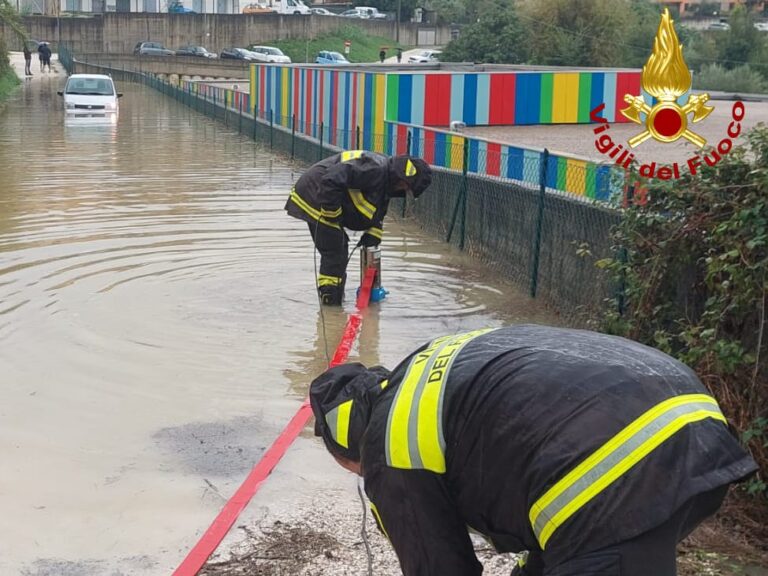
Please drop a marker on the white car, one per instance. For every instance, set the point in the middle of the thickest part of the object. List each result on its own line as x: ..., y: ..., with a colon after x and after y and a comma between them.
x: 268, y: 54
x: 372, y: 13
x: 321, y: 12
x: 762, y: 26
x: 91, y: 95
x: 425, y: 57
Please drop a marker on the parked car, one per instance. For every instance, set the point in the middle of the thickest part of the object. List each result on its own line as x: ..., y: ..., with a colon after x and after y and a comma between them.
x: 762, y: 26
x: 268, y: 54
x: 197, y: 51
x: 321, y: 12
x: 326, y: 57
x: 91, y: 95
x: 355, y: 13
x: 425, y: 57
x: 237, y: 54
x: 719, y: 26
x: 152, y: 49
x: 373, y: 13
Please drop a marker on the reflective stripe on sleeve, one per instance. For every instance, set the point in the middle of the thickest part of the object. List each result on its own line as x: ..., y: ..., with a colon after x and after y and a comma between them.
x: 415, y: 437
x: 375, y: 232
x: 363, y: 206
x: 615, y: 458
x: 325, y: 213
x: 338, y: 422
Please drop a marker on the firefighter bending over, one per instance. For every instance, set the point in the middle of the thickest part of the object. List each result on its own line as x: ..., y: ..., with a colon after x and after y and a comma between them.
x: 351, y: 190
x: 594, y: 453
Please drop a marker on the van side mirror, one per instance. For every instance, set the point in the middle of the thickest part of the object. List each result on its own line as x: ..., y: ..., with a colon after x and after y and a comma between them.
x: 60, y: 93
x: 119, y: 94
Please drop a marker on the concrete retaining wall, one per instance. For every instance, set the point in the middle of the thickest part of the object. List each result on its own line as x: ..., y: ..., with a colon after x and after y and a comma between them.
x: 119, y: 33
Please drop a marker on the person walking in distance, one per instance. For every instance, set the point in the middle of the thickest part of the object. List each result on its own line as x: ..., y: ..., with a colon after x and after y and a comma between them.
x: 27, y: 60
x: 45, y: 53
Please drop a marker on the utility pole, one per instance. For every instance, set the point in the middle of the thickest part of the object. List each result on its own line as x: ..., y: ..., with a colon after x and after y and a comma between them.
x: 397, y: 23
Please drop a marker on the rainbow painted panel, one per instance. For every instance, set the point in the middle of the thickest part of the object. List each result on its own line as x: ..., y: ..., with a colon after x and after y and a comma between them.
x: 446, y: 150
x: 341, y: 101
x: 505, y: 98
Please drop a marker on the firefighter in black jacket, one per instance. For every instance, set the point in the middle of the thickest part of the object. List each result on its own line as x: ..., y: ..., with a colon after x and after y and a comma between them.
x: 594, y: 453
x: 351, y: 190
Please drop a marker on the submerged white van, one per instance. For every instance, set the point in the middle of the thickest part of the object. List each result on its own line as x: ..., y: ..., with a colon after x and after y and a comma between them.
x: 91, y: 95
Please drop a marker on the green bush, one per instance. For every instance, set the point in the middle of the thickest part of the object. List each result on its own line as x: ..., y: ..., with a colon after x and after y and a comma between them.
x: 693, y: 266
x: 741, y: 79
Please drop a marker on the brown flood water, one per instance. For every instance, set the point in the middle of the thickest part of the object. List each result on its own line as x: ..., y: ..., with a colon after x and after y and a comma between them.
x: 158, y: 326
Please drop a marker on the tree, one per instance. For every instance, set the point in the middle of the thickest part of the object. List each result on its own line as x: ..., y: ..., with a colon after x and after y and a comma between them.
x: 584, y: 33
x: 497, y: 37
x: 10, y: 17
x: 743, y: 43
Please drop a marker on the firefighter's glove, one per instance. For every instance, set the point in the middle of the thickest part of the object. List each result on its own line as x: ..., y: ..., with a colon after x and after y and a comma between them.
x: 369, y: 240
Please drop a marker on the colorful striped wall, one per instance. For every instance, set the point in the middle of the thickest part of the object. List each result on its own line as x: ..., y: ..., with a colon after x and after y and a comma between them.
x: 339, y: 100
x: 508, y: 98
x: 342, y: 100
x: 232, y: 99
x: 486, y: 158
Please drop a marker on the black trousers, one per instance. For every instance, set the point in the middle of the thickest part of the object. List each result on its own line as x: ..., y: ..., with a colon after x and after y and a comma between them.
x: 653, y: 553
x: 333, y: 245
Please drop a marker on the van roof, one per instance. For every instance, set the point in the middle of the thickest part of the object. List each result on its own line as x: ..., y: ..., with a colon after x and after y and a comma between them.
x: 94, y: 76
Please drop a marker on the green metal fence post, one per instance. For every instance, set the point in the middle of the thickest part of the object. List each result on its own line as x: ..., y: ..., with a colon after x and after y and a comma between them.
x: 357, y: 137
x: 271, y: 128
x: 464, y: 192
x: 293, y: 136
x: 321, y: 141
x: 240, y: 119
x: 544, y: 159
x: 255, y: 120
x: 407, y: 151
x: 461, y: 199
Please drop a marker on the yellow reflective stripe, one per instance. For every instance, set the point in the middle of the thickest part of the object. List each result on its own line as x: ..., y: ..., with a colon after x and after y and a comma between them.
x: 312, y: 212
x: 384, y: 384
x: 378, y: 519
x: 415, y: 438
x: 342, y: 424
x: 397, y: 427
x: 351, y: 155
x: 330, y: 213
x: 338, y: 422
x: 375, y: 232
x: 431, y: 443
x: 325, y: 280
x: 410, y: 169
x: 616, y: 457
x: 363, y: 206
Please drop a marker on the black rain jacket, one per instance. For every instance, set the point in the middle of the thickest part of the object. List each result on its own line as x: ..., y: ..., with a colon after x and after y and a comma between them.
x: 523, y: 406
x: 351, y: 189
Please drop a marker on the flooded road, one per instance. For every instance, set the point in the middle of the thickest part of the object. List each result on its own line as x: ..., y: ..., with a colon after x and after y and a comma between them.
x: 159, y: 326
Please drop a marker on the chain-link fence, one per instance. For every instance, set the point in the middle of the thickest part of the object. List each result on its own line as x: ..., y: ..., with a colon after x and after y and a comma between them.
x: 522, y: 222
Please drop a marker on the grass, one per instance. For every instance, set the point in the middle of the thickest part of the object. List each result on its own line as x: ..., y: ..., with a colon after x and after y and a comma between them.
x: 8, y: 82
x: 364, y: 48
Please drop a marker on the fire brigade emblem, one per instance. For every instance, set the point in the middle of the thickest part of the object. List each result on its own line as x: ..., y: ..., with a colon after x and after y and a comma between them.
x: 666, y: 77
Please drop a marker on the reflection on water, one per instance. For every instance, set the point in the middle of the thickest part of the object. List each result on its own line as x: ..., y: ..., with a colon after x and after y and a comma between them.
x: 158, y: 323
